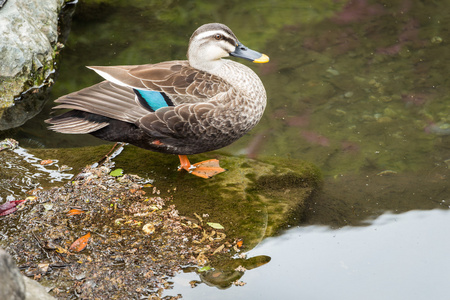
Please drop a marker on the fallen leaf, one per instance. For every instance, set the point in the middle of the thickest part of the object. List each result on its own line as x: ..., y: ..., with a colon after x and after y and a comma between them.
x: 204, y: 269
x: 116, y: 172
x: 198, y: 217
x: 48, y: 206
x: 215, y: 225
x: 9, y: 207
x: 148, y: 228
x: 80, y: 243
x: 46, y: 162
x: 61, y: 250
x: 75, y: 211
x: 219, y: 249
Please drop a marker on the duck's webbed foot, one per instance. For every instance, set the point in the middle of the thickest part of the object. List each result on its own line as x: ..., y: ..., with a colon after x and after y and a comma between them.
x: 204, y: 169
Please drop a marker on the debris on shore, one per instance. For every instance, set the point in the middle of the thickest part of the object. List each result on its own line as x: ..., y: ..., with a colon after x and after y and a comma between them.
x: 108, y: 237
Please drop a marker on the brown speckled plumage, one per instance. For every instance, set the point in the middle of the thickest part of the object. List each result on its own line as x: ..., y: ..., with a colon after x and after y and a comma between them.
x: 212, y: 102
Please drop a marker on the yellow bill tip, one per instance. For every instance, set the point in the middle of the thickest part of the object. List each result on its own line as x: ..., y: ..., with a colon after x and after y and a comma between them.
x: 263, y: 59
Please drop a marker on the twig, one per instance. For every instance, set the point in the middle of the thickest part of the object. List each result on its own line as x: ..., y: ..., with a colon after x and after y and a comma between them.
x: 39, y: 244
x: 104, y: 158
x: 108, y: 156
x: 12, y: 178
x: 45, y: 250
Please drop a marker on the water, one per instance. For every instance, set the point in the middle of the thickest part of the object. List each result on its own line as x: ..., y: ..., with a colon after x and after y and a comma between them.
x: 23, y: 172
x: 359, y: 88
x: 393, y: 257
x: 352, y: 87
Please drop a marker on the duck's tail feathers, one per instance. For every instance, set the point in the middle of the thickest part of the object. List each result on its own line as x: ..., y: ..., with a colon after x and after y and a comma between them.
x: 77, y: 122
x: 105, y: 99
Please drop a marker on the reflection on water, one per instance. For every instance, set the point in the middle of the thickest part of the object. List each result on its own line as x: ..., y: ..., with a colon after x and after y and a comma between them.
x: 350, y: 199
x: 397, y: 256
x: 21, y: 172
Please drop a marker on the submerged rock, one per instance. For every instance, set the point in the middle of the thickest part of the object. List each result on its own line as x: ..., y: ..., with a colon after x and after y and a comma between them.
x: 253, y: 199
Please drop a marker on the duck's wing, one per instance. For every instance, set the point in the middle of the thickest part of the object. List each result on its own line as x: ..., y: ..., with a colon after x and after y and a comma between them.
x: 176, y: 81
x: 131, y: 92
x: 169, y: 101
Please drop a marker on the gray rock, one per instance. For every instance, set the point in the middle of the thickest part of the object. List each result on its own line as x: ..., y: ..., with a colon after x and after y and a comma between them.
x: 28, y: 41
x: 14, y: 286
x: 35, y: 291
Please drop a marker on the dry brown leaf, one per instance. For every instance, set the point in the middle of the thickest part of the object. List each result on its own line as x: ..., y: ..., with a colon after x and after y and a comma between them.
x: 46, y: 162
x: 75, y: 211
x: 80, y: 243
x: 219, y: 249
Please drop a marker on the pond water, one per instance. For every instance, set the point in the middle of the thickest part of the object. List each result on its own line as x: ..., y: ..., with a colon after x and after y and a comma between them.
x: 360, y: 88
x: 393, y: 257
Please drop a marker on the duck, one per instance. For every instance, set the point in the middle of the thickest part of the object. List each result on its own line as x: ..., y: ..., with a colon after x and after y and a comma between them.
x: 180, y: 107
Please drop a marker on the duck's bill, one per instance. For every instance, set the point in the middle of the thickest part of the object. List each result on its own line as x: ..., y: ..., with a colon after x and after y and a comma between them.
x: 249, y: 54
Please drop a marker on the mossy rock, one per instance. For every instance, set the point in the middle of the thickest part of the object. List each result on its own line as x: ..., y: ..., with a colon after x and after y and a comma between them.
x: 252, y: 200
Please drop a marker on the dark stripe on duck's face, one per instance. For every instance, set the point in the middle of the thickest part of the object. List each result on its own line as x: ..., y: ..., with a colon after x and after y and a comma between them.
x: 230, y: 41
x: 153, y: 100
x: 224, y: 38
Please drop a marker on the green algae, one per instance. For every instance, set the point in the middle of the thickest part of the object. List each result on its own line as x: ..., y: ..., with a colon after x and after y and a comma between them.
x: 252, y: 200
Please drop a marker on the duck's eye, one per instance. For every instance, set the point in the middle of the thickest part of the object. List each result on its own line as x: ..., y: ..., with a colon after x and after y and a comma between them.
x: 218, y: 37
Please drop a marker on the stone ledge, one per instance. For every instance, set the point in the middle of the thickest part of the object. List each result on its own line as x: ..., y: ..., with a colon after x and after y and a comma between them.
x: 28, y: 47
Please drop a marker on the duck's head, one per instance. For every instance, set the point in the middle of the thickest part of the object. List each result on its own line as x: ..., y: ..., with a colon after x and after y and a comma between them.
x: 210, y: 42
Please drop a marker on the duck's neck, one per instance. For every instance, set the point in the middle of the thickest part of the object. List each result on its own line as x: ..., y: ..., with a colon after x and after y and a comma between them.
x: 238, y: 75
x: 210, y: 66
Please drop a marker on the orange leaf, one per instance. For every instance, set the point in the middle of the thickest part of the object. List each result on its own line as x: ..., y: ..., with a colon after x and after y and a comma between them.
x: 75, y: 211
x: 81, y: 243
x: 46, y: 161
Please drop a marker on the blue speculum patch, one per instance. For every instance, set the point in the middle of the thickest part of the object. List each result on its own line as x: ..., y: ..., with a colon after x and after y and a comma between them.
x: 152, y: 99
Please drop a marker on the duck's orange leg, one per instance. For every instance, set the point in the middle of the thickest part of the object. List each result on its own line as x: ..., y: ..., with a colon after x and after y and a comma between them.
x: 204, y: 169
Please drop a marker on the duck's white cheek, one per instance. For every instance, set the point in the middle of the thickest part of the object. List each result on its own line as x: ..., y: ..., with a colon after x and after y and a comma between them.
x: 214, y: 52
